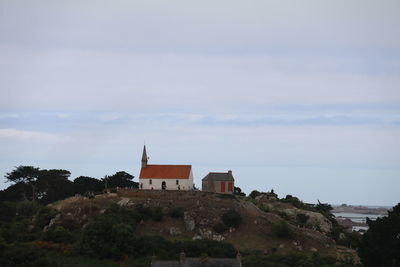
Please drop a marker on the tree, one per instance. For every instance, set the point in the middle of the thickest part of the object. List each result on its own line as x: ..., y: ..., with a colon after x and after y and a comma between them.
x: 53, y: 185
x: 16, y: 192
x: 254, y: 194
x: 231, y: 218
x: 84, y: 184
x: 238, y: 191
x: 27, y: 175
x: 380, y: 245
x: 120, y: 179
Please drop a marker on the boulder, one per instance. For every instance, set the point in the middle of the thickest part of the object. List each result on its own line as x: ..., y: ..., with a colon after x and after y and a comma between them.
x: 174, y: 231
x: 189, y: 221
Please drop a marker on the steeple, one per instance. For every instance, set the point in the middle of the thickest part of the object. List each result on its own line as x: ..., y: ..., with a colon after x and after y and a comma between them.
x: 144, y: 158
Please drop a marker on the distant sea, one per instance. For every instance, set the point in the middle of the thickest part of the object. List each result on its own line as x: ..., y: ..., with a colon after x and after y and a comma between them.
x: 357, y: 217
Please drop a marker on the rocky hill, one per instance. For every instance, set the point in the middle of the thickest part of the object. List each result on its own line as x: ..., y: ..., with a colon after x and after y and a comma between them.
x: 260, y: 229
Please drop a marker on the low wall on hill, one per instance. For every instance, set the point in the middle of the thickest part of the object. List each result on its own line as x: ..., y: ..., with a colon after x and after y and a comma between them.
x: 170, y: 194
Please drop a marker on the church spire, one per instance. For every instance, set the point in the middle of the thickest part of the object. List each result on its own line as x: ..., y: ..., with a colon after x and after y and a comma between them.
x: 144, y: 158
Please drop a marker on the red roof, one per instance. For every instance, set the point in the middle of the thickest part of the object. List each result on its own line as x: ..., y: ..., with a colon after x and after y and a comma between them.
x: 165, y: 172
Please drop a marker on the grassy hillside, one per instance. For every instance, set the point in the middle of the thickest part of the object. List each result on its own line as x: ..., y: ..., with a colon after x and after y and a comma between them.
x: 130, y: 228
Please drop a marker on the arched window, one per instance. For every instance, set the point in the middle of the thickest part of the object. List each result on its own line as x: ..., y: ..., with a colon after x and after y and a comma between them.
x: 150, y: 181
x: 177, y: 182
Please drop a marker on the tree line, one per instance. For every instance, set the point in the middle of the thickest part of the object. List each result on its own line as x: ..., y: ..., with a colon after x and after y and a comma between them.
x: 46, y: 186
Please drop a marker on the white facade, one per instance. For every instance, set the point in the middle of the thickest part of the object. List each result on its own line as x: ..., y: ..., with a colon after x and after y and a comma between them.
x: 170, y: 184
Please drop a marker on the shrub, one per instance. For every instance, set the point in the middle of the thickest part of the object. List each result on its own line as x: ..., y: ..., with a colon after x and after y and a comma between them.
x: 58, y: 234
x: 7, y: 211
x: 44, y: 216
x: 302, y: 218
x: 176, y: 212
x: 25, y: 255
x: 254, y: 194
x: 281, y: 229
x: 232, y: 218
x: 264, y: 208
x: 27, y: 209
x: 105, y: 238
x: 220, y: 228
x: 142, y: 211
x: 157, y: 214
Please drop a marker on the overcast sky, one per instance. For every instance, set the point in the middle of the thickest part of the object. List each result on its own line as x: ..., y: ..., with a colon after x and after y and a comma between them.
x: 299, y: 96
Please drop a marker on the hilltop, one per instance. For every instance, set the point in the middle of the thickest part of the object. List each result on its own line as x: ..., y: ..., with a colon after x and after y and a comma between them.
x: 268, y: 225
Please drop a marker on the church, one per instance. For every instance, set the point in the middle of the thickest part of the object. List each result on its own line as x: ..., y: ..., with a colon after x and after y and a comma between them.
x: 164, y: 177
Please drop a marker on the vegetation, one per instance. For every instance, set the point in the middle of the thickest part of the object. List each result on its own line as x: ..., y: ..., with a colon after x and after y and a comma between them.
x: 380, y: 245
x: 176, y: 212
x: 254, y: 194
x: 47, y: 186
x: 281, y: 229
x: 238, y: 191
x: 29, y: 235
x: 220, y: 228
x: 231, y: 218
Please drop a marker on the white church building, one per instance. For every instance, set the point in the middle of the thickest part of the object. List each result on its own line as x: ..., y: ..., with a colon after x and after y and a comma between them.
x: 164, y: 177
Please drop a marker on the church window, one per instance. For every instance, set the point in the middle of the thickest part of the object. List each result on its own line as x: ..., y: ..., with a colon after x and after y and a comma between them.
x: 150, y: 181
x: 177, y: 182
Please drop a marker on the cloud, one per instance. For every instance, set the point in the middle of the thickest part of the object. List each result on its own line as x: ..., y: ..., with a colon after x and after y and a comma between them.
x: 16, y: 134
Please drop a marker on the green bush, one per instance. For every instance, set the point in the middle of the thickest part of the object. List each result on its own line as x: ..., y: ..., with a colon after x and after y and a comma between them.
x: 144, y: 212
x: 281, y: 229
x: 25, y: 255
x: 220, y: 228
x: 44, y: 216
x: 58, y: 234
x: 232, y: 218
x: 157, y: 214
x: 27, y: 209
x: 176, y: 212
x: 7, y: 211
x: 302, y: 218
x: 106, y: 238
x: 18, y: 232
x: 254, y: 194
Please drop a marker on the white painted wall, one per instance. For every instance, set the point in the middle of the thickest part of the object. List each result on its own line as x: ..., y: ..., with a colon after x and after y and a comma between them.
x: 185, y: 184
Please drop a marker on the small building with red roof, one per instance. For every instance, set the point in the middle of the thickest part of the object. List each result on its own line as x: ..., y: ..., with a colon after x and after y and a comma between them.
x: 164, y: 177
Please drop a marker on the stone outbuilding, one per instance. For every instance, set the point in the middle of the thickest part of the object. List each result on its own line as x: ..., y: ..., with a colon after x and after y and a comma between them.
x: 218, y: 182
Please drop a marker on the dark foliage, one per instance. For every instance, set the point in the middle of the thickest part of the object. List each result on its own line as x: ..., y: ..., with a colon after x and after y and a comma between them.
x: 157, y: 214
x: 58, y: 234
x: 281, y: 229
x: 302, y: 218
x: 47, y: 186
x: 25, y: 255
x: 220, y: 228
x: 16, y: 192
x: 238, y: 191
x: 44, y: 216
x: 231, y: 218
x: 27, y: 175
x: 53, y: 185
x: 105, y: 237
x: 176, y: 212
x: 254, y: 194
x: 380, y: 245
x: 121, y: 179
x: 84, y: 184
